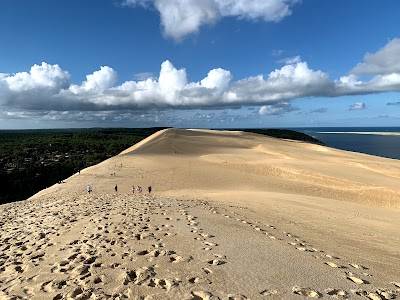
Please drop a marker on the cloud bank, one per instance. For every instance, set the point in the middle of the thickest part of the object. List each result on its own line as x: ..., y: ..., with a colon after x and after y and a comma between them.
x: 48, y: 87
x: 180, y: 18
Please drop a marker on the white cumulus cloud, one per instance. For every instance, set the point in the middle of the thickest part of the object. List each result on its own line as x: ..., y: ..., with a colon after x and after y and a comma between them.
x: 180, y: 18
x: 42, y: 76
x: 385, y: 61
x: 289, y: 82
x: 217, y: 78
x: 99, y: 81
x: 48, y: 87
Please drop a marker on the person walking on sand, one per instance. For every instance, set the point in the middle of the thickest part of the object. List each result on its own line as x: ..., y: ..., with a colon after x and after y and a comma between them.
x: 116, y: 188
x: 133, y: 189
x: 149, y: 188
x: 89, y: 189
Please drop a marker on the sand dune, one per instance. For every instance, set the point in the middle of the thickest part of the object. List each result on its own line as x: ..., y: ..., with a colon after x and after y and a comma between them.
x: 232, y: 215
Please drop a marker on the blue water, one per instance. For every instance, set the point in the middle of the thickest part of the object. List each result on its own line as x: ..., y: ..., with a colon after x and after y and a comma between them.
x: 379, y: 145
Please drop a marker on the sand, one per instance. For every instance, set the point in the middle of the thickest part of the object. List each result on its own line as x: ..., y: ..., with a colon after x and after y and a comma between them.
x: 232, y: 215
x: 362, y: 132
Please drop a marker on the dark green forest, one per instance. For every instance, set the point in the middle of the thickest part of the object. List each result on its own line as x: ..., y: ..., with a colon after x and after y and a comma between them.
x: 286, y: 134
x: 32, y: 160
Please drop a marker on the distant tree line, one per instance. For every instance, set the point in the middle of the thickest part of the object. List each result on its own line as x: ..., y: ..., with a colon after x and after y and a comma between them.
x: 286, y: 134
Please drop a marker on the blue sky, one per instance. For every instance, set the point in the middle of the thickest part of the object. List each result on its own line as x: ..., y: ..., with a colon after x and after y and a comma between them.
x: 199, y: 63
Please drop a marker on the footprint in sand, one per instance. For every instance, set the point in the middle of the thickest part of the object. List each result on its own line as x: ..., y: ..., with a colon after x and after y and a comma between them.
x: 216, y: 262
x: 333, y: 265
x: 269, y: 292
x: 99, y: 279
x: 210, y: 244
x: 194, y: 280
x: 139, y: 276
x: 79, y: 293
x: 385, y: 294
x: 144, y: 252
x: 307, y: 292
x: 206, y: 235
x: 379, y: 295
x: 201, y: 295
x: 357, y: 266
x: 373, y: 296
x: 236, y: 297
x: 304, y: 249
x: 51, y: 286
x: 165, y: 284
x: 357, y: 280
x: 175, y: 258
x: 337, y: 293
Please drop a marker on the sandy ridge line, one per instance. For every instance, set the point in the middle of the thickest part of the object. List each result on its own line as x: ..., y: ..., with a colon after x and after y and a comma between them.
x: 361, y: 132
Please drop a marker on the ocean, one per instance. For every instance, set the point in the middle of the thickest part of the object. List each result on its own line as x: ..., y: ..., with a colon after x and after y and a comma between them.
x: 374, y: 144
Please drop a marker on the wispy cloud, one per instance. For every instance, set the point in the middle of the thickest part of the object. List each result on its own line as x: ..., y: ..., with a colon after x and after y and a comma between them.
x: 358, y: 106
x: 393, y: 103
x: 143, y: 76
x: 202, y: 116
x: 276, y: 109
x: 278, y: 52
x: 319, y: 111
x: 290, y: 60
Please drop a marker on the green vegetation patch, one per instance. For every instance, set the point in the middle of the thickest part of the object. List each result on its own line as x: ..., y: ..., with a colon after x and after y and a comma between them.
x: 286, y: 134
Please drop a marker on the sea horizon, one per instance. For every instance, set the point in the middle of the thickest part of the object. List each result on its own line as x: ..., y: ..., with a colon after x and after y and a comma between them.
x: 346, y: 138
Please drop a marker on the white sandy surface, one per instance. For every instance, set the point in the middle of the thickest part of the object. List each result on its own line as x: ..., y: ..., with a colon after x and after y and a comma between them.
x: 362, y: 132
x: 232, y: 215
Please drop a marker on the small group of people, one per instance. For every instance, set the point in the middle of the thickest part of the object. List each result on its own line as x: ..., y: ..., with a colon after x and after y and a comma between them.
x: 139, y: 189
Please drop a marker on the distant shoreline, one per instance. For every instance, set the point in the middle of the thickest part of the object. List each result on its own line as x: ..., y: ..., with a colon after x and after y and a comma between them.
x: 358, y: 132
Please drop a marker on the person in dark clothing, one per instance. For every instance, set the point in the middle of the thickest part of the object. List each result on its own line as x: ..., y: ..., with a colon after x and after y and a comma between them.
x: 116, y: 188
x: 149, y: 188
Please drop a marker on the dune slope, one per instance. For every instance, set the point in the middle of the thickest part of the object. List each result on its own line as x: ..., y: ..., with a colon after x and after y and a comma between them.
x: 232, y: 215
